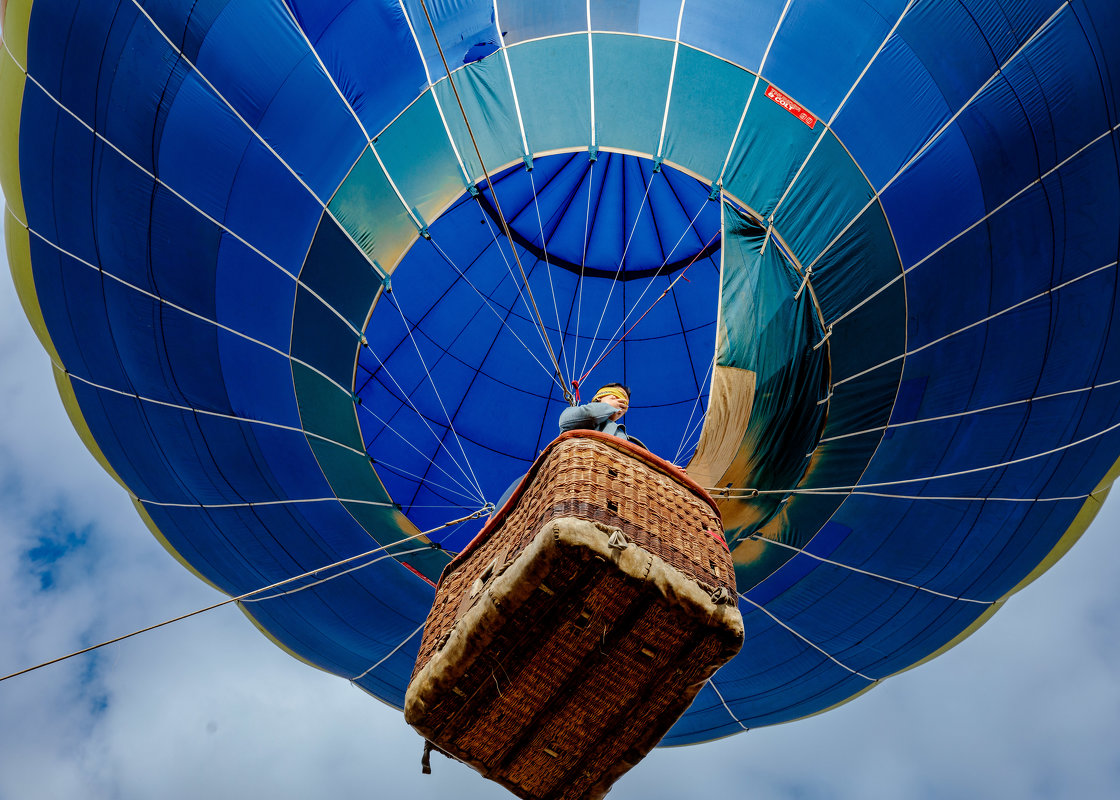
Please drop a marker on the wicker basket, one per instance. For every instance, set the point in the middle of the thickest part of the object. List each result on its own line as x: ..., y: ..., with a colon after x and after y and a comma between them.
x: 576, y: 628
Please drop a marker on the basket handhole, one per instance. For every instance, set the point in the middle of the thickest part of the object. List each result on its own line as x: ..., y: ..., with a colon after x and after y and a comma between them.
x: 484, y: 578
x: 583, y: 620
x: 612, y: 506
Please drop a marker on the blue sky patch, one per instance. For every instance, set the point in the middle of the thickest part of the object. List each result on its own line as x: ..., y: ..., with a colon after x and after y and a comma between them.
x: 56, y: 541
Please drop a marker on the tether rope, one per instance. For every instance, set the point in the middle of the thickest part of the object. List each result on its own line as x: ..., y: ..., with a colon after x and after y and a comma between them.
x: 248, y: 596
x: 179, y: 195
x: 497, y: 205
x: 487, y: 301
x: 180, y: 55
x: 719, y: 694
x: 995, y: 315
x: 690, y: 427
x: 583, y: 268
x: 750, y: 494
x: 981, y: 221
x: 486, y: 220
x: 473, y: 478
x: 948, y: 125
x: 466, y: 491
x: 388, y: 655
x: 561, y: 329
x: 622, y: 261
x: 969, y: 412
x: 750, y: 95
x: 836, y: 113
x: 868, y: 573
x: 747, y: 493
x: 806, y: 640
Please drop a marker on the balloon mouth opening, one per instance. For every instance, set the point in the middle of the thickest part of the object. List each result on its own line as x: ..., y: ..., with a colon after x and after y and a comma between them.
x: 613, y: 215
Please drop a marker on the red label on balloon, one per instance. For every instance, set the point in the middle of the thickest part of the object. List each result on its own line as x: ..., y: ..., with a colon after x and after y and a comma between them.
x: 791, y: 106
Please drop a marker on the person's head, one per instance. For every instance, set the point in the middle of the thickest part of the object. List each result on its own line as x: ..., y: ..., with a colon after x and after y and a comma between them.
x: 614, y: 394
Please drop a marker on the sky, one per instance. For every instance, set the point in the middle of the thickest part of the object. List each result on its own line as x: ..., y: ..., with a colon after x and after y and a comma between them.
x: 1029, y: 707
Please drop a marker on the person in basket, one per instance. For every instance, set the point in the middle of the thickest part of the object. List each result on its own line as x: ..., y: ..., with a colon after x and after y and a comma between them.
x: 601, y: 414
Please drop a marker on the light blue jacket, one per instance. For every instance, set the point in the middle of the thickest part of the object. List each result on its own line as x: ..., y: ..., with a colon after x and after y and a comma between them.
x: 595, y: 417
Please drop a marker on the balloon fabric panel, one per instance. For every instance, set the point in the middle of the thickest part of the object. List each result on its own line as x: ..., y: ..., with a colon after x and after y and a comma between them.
x: 279, y: 287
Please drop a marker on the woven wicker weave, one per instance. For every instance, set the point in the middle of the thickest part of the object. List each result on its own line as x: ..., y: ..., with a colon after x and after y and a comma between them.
x: 580, y: 623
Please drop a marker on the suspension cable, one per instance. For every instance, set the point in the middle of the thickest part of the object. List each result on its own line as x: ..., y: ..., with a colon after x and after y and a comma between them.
x: 661, y: 297
x: 498, y: 206
x: 249, y: 595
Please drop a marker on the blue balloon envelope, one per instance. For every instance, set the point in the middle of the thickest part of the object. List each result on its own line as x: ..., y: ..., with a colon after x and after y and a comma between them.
x: 308, y: 296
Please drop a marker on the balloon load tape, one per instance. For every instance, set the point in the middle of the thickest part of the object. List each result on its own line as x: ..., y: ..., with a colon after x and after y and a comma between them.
x: 578, y: 627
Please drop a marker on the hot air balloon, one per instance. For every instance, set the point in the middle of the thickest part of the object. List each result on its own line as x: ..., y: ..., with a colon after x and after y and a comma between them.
x: 317, y: 279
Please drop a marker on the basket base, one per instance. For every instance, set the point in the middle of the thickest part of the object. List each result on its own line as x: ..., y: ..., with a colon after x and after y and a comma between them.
x: 571, y: 664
